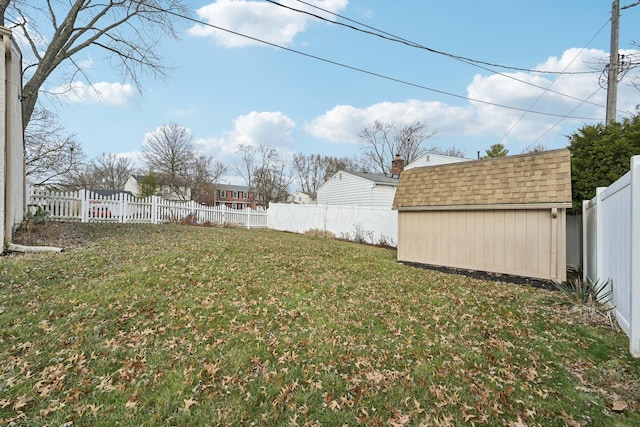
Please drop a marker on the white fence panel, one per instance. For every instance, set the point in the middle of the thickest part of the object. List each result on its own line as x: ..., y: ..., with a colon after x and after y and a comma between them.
x: 374, y: 224
x: 574, y: 241
x: 612, y: 247
x: 87, y: 206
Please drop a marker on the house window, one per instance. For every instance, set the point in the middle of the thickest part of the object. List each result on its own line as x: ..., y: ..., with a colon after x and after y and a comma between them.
x: 234, y: 206
x: 235, y: 194
x: 223, y: 194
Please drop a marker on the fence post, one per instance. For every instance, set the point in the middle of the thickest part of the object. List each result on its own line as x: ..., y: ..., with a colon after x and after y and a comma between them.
x: 249, y: 219
x: 634, y: 276
x: 84, y: 206
x: 585, y: 240
x: 154, y: 209
x: 600, y: 256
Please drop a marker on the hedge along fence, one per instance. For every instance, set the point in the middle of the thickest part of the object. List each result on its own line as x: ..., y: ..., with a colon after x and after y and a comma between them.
x: 88, y: 206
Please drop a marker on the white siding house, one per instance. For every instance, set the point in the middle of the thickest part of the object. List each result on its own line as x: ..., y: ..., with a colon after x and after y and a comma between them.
x: 433, y: 160
x: 358, y: 189
x: 12, y: 161
x: 165, y: 191
x: 303, y: 198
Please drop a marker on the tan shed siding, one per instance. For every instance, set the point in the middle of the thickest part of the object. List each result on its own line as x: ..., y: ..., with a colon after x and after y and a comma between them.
x: 514, y: 242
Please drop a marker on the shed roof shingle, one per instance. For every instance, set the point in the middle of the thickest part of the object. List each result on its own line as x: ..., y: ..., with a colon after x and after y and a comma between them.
x: 533, y: 178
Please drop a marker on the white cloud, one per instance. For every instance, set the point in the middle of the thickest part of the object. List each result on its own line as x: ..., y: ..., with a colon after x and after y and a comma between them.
x: 473, y: 120
x: 135, y: 157
x: 344, y: 122
x: 273, y: 128
x: 260, y: 20
x: 116, y: 94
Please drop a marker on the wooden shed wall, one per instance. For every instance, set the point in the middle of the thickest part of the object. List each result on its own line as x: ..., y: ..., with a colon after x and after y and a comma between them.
x: 521, y: 242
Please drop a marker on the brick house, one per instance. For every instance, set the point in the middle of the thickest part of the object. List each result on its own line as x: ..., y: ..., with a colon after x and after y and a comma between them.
x: 231, y: 196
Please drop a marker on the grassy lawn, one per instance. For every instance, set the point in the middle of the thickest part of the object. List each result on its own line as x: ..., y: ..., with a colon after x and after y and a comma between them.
x: 176, y: 325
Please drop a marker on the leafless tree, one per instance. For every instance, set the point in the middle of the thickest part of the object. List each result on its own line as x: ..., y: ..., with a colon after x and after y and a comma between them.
x: 83, y: 176
x: 308, y: 171
x: 246, y: 169
x: 382, y: 141
x: 169, y: 152
x: 534, y: 148
x: 127, y: 31
x: 205, y: 171
x: 311, y: 171
x: 265, y: 171
x: 50, y: 153
x: 451, y: 151
x: 112, y: 171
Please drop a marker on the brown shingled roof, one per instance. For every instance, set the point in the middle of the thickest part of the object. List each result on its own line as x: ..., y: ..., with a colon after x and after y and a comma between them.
x: 533, y: 178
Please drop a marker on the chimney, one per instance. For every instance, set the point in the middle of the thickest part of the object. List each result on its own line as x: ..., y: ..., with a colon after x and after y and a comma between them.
x: 397, y: 166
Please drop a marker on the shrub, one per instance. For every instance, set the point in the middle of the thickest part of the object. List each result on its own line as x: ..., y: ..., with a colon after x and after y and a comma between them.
x: 316, y: 232
x: 585, y: 295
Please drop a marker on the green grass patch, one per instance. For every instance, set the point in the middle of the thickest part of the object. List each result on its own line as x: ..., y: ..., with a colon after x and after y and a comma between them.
x: 179, y: 325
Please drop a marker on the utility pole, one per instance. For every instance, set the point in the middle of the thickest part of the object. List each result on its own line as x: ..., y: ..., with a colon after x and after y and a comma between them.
x: 612, y: 83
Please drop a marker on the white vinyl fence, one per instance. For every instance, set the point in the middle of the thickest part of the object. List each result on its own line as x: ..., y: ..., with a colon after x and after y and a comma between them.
x: 372, y: 224
x: 87, y: 206
x: 611, y: 245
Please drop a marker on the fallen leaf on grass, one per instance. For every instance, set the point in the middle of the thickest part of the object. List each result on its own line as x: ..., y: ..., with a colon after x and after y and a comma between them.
x: 618, y: 406
x: 133, y: 401
x: 20, y: 403
x: 188, y: 403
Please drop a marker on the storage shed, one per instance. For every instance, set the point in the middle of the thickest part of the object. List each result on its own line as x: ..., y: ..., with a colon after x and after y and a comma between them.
x: 504, y: 215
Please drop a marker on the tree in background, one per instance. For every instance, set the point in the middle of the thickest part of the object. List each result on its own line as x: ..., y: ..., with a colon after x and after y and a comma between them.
x: 149, y: 185
x: 534, y: 148
x: 600, y: 154
x: 51, y: 155
x: 497, y: 150
x: 382, y: 141
x: 264, y: 171
x: 313, y: 170
x: 112, y: 171
x: 205, y: 171
x: 127, y: 31
x: 169, y: 152
x: 451, y: 151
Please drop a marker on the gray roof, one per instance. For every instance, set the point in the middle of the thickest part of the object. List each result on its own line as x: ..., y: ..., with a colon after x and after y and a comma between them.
x: 377, y: 178
x: 229, y: 187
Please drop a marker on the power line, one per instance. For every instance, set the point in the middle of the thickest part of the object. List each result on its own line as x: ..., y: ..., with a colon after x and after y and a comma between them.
x: 560, y: 121
x: 472, y: 62
x: 392, y: 37
x: 360, y: 70
x: 543, y: 93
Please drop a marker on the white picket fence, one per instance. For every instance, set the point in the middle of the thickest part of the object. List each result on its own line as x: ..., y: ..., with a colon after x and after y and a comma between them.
x: 87, y: 206
x: 611, y: 247
x: 373, y: 224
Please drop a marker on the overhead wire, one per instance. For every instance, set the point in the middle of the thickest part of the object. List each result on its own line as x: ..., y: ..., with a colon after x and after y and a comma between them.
x: 469, y: 61
x: 472, y: 61
x: 543, y: 93
x: 392, y: 37
x: 360, y: 70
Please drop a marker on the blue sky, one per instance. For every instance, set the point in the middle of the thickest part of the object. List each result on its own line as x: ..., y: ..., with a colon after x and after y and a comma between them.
x: 228, y: 89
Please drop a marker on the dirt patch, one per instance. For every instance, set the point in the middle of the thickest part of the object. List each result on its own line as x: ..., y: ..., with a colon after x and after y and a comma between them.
x: 59, y: 234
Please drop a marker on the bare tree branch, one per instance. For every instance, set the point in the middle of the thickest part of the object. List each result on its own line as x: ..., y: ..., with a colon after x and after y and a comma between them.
x: 128, y: 31
x: 383, y: 141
